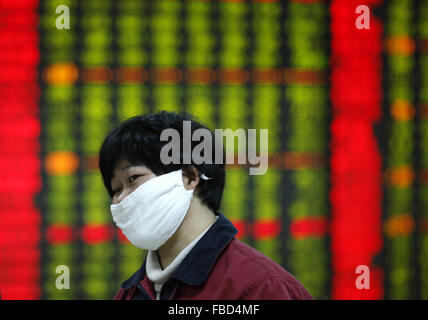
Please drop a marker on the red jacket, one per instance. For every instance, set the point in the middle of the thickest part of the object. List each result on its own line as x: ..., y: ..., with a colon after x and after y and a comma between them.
x: 219, y: 267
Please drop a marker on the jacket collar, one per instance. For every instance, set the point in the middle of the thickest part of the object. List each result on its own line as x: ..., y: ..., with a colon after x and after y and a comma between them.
x: 196, y: 266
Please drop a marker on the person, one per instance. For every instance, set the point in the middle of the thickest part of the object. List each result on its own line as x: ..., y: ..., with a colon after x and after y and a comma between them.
x: 172, y: 211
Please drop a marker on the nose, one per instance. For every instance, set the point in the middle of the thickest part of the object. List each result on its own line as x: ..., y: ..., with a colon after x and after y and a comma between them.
x: 122, y: 196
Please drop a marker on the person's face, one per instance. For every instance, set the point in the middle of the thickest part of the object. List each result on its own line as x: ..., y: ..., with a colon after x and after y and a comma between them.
x: 127, y: 178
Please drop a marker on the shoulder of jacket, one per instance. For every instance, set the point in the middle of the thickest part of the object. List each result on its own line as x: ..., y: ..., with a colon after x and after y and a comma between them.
x: 259, y: 268
x: 278, y: 288
x: 254, y: 259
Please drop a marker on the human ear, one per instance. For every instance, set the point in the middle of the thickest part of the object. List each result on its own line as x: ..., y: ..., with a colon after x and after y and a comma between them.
x: 190, y: 177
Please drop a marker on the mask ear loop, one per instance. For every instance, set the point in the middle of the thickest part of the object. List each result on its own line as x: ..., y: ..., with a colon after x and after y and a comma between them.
x: 203, y: 176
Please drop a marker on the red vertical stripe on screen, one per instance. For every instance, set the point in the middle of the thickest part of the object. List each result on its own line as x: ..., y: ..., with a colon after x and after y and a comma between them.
x: 356, y: 95
x: 19, y: 151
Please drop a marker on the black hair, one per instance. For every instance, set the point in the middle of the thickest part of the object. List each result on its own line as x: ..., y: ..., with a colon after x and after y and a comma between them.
x: 137, y: 140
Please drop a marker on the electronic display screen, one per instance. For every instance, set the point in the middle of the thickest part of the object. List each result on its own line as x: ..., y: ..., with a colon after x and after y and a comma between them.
x: 346, y: 109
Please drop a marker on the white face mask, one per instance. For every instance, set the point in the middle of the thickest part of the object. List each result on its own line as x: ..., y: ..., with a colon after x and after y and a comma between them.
x: 151, y: 214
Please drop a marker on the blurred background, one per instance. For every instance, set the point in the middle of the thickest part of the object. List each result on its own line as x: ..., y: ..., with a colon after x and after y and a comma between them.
x: 346, y: 110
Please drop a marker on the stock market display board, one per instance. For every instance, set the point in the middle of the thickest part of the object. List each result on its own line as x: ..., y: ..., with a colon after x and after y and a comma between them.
x: 346, y: 110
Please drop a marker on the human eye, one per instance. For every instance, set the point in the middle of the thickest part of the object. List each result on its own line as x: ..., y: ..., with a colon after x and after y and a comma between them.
x: 134, y: 177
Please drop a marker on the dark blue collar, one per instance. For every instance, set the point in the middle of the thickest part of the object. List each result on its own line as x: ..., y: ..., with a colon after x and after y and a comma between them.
x: 196, y: 266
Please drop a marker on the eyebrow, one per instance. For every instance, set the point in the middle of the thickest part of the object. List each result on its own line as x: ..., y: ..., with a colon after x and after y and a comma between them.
x: 125, y: 167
